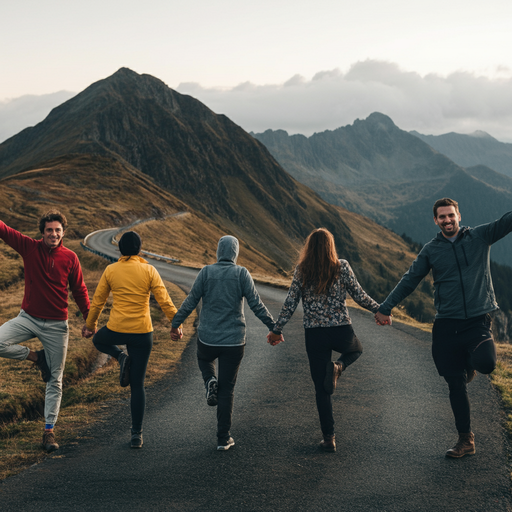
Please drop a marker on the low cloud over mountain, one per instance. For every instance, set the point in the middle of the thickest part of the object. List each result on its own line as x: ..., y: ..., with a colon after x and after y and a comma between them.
x: 459, y: 102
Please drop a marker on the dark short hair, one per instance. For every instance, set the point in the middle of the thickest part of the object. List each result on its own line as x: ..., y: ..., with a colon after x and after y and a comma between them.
x: 446, y: 201
x: 52, y: 216
x: 130, y: 244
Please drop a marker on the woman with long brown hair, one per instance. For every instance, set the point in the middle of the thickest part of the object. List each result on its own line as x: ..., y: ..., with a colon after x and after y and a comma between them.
x: 322, y: 281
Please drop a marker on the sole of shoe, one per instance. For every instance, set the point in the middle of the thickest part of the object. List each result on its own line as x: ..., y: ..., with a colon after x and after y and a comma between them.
x: 124, y: 371
x: 43, y: 366
x: 211, y: 393
x: 452, y: 455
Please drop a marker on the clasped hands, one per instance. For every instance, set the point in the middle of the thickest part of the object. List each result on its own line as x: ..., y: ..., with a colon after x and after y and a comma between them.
x: 86, y: 333
x: 381, y: 319
x: 274, y: 339
x: 176, y: 333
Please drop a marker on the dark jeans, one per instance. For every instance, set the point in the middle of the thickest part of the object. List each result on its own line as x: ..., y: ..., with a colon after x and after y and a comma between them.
x: 139, y: 348
x: 458, y: 346
x: 229, y: 359
x: 320, y: 342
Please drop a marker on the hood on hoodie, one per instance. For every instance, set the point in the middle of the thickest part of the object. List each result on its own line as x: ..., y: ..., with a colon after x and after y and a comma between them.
x: 227, y: 249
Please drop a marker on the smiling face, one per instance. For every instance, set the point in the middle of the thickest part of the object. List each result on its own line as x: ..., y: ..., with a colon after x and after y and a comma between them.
x: 53, y: 234
x: 448, y: 218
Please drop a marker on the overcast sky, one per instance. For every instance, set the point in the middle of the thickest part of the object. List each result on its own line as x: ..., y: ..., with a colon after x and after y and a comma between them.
x: 302, y: 66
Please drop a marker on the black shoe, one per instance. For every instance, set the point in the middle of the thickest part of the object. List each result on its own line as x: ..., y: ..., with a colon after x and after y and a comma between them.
x: 328, y: 444
x: 225, y: 444
x: 49, y: 443
x: 43, y: 366
x: 211, y: 391
x: 124, y: 369
x: 136, y: 441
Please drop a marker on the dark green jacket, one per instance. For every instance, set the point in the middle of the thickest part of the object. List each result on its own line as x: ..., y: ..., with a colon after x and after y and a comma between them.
x: 461, y: 272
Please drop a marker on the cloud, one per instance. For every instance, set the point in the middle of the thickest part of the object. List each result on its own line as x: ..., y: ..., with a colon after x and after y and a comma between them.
x: 19, y: 113
x: 432, y: 104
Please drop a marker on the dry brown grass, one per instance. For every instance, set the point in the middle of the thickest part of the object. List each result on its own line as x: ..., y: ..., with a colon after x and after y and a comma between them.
x: 502, y: 379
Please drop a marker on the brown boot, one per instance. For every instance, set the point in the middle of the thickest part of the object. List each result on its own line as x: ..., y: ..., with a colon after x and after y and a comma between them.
x: 49, y: 443
x: 464, y: 446
x: 328, y: 444
x: 332, y: 375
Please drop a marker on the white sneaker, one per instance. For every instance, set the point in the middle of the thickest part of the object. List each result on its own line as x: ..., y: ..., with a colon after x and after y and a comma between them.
x: 226, y: 444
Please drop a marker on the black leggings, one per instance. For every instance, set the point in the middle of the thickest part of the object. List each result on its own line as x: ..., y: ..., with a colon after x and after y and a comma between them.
x: 229, y: 358
x: 139, y: 348
x: 483, y: 359
x: 320, y: 342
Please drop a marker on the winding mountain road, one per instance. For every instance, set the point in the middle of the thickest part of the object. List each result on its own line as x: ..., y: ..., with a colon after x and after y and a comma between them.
x: 393, y: 424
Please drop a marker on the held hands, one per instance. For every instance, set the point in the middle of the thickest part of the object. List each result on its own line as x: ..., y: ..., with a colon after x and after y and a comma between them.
x: 176, y: 333
x: 274, y: 339
x: 381, y: 319
x: 86, y: 333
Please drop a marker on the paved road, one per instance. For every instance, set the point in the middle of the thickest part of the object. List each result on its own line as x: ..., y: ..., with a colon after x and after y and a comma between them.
x: 393, y: 427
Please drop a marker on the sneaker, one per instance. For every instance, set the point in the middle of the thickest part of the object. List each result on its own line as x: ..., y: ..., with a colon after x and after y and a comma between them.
x: 465, y: 446
x: 124, y: 369
x: 211, y: 391
x: 225, y: 444
x: 43, y: 366
x: 328, y: 444
x: 332, y: 374
x: 136, y: 441
x: 49, y: 443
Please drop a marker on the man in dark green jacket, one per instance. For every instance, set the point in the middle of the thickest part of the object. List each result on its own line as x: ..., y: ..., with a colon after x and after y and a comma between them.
x: 464, y: 296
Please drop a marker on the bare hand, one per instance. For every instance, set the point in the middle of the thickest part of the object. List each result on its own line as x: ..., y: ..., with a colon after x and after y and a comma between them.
x: 176, y: 333
x: 274, y: 339
x: 381, y: 319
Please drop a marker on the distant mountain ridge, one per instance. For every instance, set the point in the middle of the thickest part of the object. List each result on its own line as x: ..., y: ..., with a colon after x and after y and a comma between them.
x: 378, y: 170
x: 478, y: 148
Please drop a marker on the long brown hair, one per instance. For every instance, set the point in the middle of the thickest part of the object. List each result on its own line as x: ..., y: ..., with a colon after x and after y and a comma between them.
x: 318, y: 261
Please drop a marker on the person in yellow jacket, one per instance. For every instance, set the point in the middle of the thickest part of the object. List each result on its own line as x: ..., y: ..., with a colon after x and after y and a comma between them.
x: 131, y: 280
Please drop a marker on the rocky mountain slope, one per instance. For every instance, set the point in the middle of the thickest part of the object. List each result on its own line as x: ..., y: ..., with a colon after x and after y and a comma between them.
x: 478, y: 148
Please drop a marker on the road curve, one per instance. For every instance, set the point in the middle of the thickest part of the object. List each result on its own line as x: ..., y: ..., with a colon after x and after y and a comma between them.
x: 393, y: 426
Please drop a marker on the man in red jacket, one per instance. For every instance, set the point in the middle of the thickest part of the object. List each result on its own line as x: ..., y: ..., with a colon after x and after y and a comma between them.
x: 49, y: 269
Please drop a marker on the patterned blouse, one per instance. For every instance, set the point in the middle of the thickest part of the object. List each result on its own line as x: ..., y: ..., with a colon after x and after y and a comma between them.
x: 326, y: 310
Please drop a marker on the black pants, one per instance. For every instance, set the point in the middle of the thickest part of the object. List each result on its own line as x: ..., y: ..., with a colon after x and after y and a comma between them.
x: 229, y: 358
x: 320, y: 342
x: 459, y: 346
x: 139, y: 348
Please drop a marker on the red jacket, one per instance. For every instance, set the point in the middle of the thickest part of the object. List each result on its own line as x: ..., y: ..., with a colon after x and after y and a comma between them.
x: 47, y: 274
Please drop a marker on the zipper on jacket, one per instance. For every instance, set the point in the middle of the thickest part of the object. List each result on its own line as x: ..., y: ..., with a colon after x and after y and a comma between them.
x: 465, y: 256
x: 461, y: 282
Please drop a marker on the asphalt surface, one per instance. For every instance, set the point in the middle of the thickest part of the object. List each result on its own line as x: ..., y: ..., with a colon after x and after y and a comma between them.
x: 393, y: 426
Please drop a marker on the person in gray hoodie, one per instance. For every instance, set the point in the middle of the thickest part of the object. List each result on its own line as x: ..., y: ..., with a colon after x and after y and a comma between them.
x: 221, y: 332
x: 463, y: 297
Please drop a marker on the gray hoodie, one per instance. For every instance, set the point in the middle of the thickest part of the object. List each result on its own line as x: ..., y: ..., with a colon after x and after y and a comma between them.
x: 222, y: 288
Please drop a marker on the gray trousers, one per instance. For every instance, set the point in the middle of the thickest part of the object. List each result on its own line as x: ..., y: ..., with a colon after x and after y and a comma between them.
x: 54, y: 335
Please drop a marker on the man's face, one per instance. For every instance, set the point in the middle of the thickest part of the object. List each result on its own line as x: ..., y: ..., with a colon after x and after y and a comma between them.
x: 53, y: 234
x: 448, y: 219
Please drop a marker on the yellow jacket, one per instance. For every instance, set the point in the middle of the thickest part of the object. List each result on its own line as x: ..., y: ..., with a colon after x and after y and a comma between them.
x: 131, y: 280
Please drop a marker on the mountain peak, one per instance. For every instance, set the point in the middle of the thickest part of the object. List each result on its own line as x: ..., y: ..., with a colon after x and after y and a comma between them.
x: 381, y: 119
